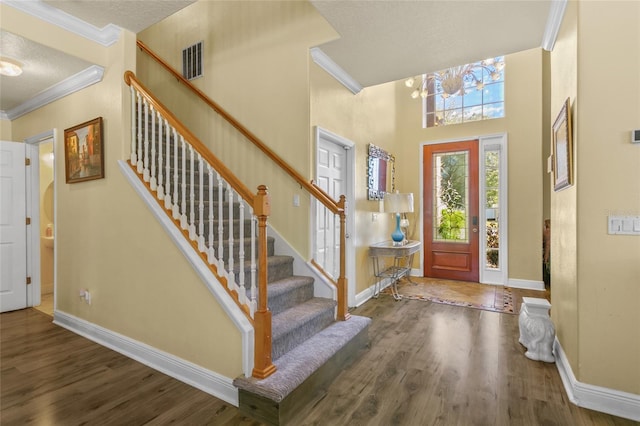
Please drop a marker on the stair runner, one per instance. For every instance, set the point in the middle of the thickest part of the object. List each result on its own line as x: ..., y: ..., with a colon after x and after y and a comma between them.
x: 309, y: 348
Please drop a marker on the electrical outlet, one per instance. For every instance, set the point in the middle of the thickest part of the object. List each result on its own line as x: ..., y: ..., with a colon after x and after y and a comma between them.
x: 85, y: 295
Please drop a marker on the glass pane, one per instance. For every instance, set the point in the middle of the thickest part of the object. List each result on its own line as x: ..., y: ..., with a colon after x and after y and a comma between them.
x: 473, y: 97
x: 492, y: 199
x: 493, y: 110
x: 450, y: 196
x: 493, y: 93
x: 473, y: 113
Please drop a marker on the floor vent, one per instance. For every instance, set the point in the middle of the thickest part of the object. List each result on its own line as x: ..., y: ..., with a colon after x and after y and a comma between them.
x: 192, y: 61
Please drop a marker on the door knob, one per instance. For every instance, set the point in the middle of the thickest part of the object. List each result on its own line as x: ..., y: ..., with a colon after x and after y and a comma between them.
x: 475, y: 229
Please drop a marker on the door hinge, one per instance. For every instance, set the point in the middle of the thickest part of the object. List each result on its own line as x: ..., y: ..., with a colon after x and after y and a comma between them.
x: 28, y: 221
x: 27, y: 161
x: 28, y: 280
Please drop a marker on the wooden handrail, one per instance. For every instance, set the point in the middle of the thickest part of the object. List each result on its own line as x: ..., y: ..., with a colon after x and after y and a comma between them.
x: 245, y: 193
x: 314, y: 190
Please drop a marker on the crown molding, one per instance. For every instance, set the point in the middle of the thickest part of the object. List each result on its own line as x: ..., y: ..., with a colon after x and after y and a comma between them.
x: 72, y: 84
x: 327, y: 64
x: 105, y: 36
x: 556, y: 13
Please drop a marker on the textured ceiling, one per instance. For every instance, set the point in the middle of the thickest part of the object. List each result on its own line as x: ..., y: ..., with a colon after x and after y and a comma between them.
x: 41, y: 69
x: 382, y: 41
x: 134, y: 16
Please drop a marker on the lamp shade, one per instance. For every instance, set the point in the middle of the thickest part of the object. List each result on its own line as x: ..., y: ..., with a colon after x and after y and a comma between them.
x: 398, y: 203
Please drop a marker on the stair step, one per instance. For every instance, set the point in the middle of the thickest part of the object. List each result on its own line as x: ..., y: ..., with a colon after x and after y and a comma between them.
x: 279, y: 267
x: 304, y: 374
x: 286, y: 293
x: 295, y: 325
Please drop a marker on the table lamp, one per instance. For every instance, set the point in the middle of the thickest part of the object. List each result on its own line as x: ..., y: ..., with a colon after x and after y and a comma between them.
x: 398, y: 203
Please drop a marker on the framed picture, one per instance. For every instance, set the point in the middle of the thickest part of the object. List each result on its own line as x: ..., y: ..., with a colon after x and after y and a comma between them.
x: 84, y: 151
x: 563, y: 149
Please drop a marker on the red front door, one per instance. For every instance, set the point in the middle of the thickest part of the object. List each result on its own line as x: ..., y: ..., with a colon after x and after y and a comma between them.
x: 451, y: 220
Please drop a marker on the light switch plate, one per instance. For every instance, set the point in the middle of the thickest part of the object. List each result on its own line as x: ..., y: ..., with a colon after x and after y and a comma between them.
x: 623, y: 225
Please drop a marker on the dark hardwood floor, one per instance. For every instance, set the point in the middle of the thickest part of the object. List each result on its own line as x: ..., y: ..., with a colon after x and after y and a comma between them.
x: 429, y: 364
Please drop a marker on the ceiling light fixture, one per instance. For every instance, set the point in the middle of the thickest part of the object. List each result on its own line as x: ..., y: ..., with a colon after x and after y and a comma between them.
x: 10, y: 67
x: 455, y: 80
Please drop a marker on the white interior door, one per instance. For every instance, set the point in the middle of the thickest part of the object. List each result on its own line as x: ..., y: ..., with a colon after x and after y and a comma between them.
x: 331, y: 170
x: 334, y: 174
x: 13, y: 235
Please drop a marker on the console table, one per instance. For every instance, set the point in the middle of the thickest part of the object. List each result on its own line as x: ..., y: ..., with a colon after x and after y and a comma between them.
x: 402, y: 260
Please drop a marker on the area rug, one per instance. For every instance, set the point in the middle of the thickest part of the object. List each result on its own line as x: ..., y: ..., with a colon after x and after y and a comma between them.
x: 470, y: 295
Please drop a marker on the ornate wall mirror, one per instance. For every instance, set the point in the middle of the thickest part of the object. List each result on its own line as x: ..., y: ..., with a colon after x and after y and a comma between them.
x: 380, y: 173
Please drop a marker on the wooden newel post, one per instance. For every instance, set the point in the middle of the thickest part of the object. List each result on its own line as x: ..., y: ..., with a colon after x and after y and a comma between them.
x: 343, y: 307
x: 262, y: 365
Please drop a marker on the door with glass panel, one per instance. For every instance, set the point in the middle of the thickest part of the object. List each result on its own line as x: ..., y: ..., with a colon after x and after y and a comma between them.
x: 451, y: 222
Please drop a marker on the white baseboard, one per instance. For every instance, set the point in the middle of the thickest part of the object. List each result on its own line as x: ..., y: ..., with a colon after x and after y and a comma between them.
x: 610, y: 401
x: 207, y: 381
x: 526, y: 284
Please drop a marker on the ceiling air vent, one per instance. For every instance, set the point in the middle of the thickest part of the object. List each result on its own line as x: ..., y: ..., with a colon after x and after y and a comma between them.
x: 192, y: 61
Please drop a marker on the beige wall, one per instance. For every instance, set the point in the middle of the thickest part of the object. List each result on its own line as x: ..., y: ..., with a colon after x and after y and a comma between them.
x: 46, y: 215
x: 5, y: 130
x: 523, y: 125
x: 595, y: 276
x: 564, y: 272
x: 256, y: 68
x: 107, y: 240
x: 608, y: 183
x: 368, y: 117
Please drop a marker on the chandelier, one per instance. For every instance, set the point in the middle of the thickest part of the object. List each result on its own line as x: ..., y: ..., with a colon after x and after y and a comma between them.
x: 455, y: 80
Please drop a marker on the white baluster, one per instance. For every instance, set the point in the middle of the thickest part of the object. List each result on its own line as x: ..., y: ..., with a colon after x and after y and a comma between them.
x: 241, y: 246
x: 201, y: 245
x: 230, y: 226
x: 335, y: 249
x: 211, y: 252
x: 325, y: 246
x: 254, y: 301
x: 176, y: 206
x: 192, y: 198
x: 160, y: 193
x: 134, y: 126
x: 141, y: 105
x: 220, y: 228
x: 145, y: 175
x: 183, y: 205
x: 167, y: 196
x: 153, y: 183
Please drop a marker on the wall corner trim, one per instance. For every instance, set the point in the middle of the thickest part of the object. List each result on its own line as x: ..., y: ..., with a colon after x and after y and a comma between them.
x: 76, y: 82
x: 105, y: 36
x: 610, y: 401
x: 180, y: 369
x: 556, y: 13
x: 327, y: 64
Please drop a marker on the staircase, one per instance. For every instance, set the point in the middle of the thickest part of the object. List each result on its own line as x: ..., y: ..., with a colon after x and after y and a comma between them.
x: 309, y: 347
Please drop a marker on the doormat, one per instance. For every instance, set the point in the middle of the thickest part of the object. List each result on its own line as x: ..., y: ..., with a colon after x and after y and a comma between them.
x: 470, y: 295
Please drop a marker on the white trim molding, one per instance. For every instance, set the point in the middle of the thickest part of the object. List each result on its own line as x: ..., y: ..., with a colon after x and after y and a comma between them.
x: 556, y: 13
x: 327, y: 64
x: 208, y: 278
x: 526, y: 284
x: 178, y: 368
x: 610, y: 401
x: 105, y: 36
x: 76, y: 82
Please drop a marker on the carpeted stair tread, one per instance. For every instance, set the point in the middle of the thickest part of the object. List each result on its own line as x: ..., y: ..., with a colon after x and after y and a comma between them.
x: 294, y: 367
x: 289, y: 320
x: 287, y: 284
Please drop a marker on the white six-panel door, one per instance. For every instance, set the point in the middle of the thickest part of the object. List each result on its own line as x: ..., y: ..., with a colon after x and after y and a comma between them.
x: 13, y: 240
